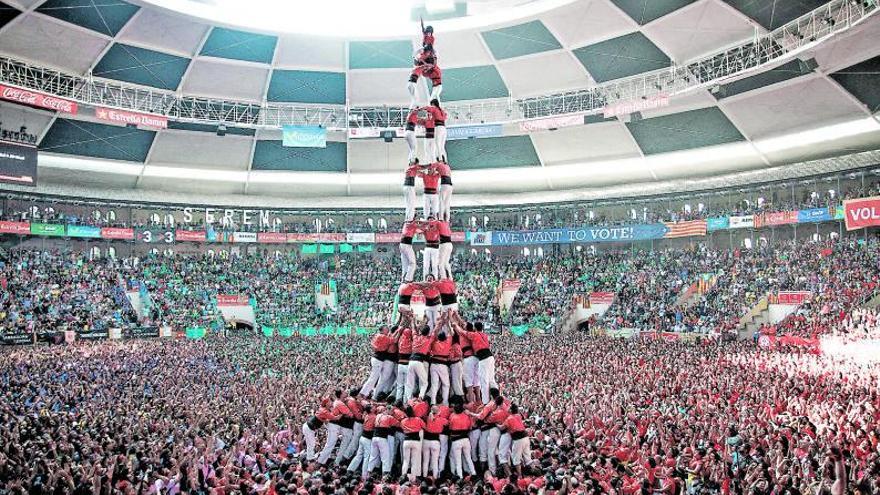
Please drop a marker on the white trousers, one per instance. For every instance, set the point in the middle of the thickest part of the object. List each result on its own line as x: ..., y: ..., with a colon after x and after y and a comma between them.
x: 446, y: 202
x: 445, y: 263
x: 345, y: 434
x: 334, y: 431
x: 386, y: 383
x: 431, y: 205
x: 431, y: 315
x: 474, y: 437
x: 412, y: 457
x: 408, y: 262
x: 409, y: 198
x: 411, y: 144
x: 504, y: 448
x: 444, y: 451
x: 373, y: 381
x: 431, y: 458
x: 361, y: 458
x: 456, y: 373
x: 520, y: 451
x: 487, y: 377
x: 484, y: 445
x: 402, y: 374
x: 461, y: 454
x: 492, y: 449
x: 440, y: 140
x: 309, y: 437
x: 418, y: 371
x: 411, y: 89
x: 380, y: 454
x: 471, y: 376
x: 430, y: 262
x: 354, y: 442
x: 430, y: 151
x: 435, y: 92
x: 439, y: 383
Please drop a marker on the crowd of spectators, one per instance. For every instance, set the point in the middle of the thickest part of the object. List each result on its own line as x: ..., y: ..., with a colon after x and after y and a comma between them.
x: 606, y: 416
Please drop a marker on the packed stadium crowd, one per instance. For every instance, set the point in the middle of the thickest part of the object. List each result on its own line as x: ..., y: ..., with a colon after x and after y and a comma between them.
x: 69, y: 291
x: 224, y: 415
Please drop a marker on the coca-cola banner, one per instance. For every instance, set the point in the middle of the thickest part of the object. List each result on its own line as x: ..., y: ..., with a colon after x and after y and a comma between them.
x: 134, y: 118
x: 793, y: 297
x: 37, y: 99
x: 117, y: 233
x: 862, y: 212
x: 272, y: 237
x: 190, y: 235
x: 776, y: 218
x: 20, y: 228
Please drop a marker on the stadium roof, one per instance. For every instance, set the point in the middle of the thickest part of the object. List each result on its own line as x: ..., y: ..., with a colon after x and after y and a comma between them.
x: 824, y: 102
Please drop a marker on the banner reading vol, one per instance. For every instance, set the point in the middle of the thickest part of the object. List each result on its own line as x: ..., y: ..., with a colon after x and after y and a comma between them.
x: 861, y: 213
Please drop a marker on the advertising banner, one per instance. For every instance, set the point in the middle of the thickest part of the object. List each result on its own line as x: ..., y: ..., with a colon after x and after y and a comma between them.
x: 83, y: 231
x: 246, y: 237
x: 37, y: 99
x: 632, y: 106
x: 388, y: 237
x: 551, y: 123
x: 49, y: 229
x: 862, y: 212
x: 459, y: 236
x: 190, y: 235
x: 601, y: 297
x: 481, y: 238
x: 232, y: 300
x: 742, y: 222
x: 17, y: 338
x: 140, y: 332
x: 132, y: 118
x: 776, y: 218
x: 117, y: 233
x: 474, y: 131
x: 792, y: 297
x: 271, y: 237
x: 18, y: 164
x: 685, y: 229
x: 304, y: 136
x: 363, y: 132
x: 20, y: 228
x: 360, y: 237
x: 94, y: 335
x: 814, y: 215
x: 310, y: 238
x: 583, y: 234
x: 717, y: 223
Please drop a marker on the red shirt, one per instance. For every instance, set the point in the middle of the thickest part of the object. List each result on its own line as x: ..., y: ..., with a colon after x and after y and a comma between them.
x: 514, y: 424
x: 460, y: 422
x: 386, y: 420
x: 420, y: 407
x: 422, y: 344
x: 498, y: 416
x: 407, y: 289
x: 413, y: 170
x: 443, y: 228
x: 369, y: 422
x: 380, y: 342
x: 340, y: 408
x: 410, y: 229
x: 436, y: 424
x: 479, y: 340
x: 445, y: 286
x: 404, y: 343
x: 355, y: 407
x: 467, y: 349
x: 441, y: 350
x: 431, y: 291
x: 431, y: 178
x: 437, y: 115
x: 412, y: 425
x: 432, y: 233
x: 413, y: 117
x: 326, y: 415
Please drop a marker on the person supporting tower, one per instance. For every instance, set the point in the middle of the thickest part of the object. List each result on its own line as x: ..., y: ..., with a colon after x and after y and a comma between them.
x: 409, y: 188
x: 445, y: 189
x: 431, y: 253
x: 445, y: 252
x: 407, y: 254
x: 437, y: 120
x: 412, y: 120
x: 431, y: 181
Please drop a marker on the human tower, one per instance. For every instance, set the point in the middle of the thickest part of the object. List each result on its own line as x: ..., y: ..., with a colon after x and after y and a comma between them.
x: 431, y: 405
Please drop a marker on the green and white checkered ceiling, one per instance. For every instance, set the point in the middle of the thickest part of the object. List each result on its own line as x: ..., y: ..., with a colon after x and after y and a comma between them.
x: 575, y: 45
